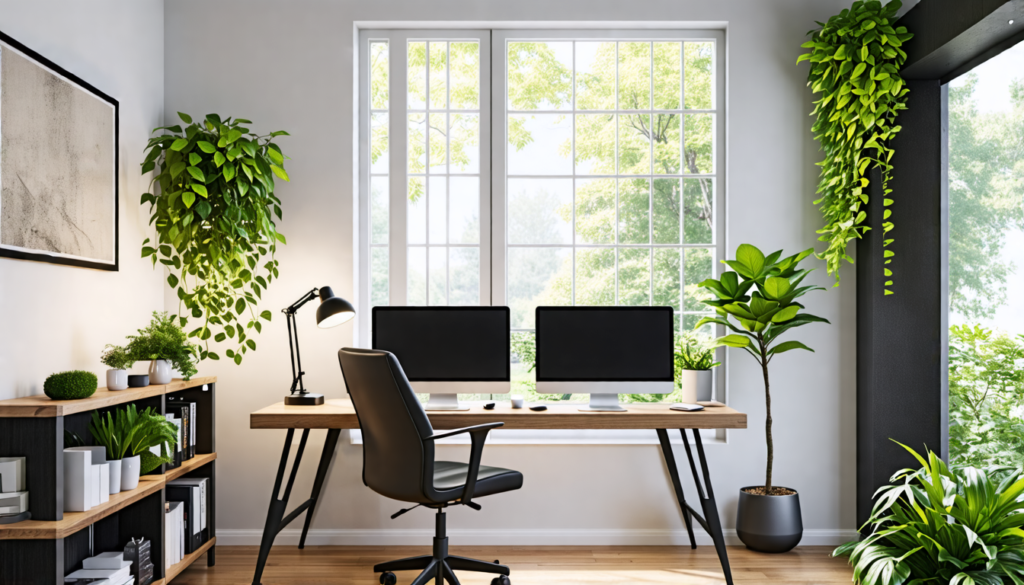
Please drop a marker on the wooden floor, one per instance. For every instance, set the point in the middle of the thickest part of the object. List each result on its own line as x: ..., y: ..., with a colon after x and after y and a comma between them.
x: 571, y: 565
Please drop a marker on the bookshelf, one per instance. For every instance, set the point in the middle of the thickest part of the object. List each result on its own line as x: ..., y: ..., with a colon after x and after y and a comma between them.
x: 53, y: 544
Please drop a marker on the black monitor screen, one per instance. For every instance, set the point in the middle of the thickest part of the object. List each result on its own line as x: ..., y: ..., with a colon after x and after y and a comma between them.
x: 605, y: 344
x: 446, y: 344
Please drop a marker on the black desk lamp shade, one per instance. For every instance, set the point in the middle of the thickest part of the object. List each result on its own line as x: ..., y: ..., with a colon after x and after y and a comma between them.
x: 333, y: 311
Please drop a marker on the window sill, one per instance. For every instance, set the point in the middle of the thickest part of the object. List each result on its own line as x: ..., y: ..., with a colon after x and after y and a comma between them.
x: 571, y: 437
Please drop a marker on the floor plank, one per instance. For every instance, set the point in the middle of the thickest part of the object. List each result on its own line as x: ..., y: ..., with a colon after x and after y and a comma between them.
x: 569, y: 565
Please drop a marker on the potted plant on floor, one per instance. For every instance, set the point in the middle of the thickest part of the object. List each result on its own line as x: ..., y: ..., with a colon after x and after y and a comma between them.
x: 118, y: 359
x: 694, y: 360
x: 165, y: 343
x: 760, y: 294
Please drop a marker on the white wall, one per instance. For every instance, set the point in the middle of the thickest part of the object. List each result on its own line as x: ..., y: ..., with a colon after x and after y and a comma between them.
x: 55, y: 318
x: 290, y: 65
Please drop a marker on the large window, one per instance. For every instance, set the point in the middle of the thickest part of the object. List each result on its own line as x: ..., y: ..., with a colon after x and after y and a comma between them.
x: 593, y: 177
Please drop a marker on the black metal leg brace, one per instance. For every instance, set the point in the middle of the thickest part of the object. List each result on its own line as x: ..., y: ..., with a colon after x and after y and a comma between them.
x: 709, y: 521
x: 276, y: 519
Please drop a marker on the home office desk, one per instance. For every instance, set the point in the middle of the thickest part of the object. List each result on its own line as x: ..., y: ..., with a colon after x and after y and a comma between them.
x: 338, y: 414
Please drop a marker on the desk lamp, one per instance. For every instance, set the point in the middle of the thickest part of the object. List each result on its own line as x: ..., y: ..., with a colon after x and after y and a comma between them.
x: 332, y: 311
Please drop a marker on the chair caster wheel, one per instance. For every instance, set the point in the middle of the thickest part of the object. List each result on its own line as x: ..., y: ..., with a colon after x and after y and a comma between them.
x: 502, y: 580
x: 388, y: 578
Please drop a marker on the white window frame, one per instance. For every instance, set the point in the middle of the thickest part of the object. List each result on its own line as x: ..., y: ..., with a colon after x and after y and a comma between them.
x: 493, y: 113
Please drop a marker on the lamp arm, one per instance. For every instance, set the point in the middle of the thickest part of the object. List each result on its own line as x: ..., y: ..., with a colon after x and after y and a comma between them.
x: 302, y: 301
x: 293, y: 339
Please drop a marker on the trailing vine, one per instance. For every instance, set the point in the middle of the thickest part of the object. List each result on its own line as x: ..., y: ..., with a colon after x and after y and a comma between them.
x: 855, y: 62
x: 214, y: 216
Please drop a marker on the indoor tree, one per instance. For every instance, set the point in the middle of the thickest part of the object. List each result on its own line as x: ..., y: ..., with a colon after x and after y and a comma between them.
x: 759, y: 294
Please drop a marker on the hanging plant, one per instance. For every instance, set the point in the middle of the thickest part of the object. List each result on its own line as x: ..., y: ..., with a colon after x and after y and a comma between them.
x: 215, y: 231
x: 855, y: 62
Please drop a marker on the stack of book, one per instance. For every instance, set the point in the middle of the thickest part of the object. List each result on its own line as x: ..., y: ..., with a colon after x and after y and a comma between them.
x: 182, y: 413
x: 174, y: 533
x: 108, y: 568
x: 192, y: 493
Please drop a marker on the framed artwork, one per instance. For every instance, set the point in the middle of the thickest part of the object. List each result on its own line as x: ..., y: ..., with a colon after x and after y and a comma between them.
x: 58, y: 164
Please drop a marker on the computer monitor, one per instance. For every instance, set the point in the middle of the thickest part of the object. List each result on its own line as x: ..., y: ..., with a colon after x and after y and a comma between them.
x: 446, y: 351
x: 604, y: 352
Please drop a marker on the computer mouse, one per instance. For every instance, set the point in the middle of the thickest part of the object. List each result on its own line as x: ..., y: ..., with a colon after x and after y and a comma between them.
x: 686, y: 407
x: 538, y: 408
x: 489, y: 406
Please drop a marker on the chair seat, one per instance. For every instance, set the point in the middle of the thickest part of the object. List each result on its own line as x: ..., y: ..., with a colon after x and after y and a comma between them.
x: 450, y: 479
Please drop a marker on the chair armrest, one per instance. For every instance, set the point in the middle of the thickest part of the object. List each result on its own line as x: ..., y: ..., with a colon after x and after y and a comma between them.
x: 478, y: 435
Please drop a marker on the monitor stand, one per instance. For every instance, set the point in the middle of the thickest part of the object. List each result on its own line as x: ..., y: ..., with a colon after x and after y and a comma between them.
x: 444, y: 402
x: 603, y: 403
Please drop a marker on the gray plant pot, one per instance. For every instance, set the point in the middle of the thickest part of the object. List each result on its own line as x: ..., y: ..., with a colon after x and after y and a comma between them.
x: 770, y: 524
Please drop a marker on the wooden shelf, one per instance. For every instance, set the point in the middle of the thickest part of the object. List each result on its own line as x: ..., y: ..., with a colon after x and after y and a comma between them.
x: 75, y: 521
x: 184, y: 563
x: 41, y: 406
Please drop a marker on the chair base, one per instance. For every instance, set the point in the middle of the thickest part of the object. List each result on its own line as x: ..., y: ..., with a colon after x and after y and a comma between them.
x: 440, y: 567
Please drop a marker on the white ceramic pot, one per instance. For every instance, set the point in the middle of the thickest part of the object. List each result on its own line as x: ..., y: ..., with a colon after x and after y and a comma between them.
x: 696, y: 385
x: 115, y: 476
x: 117, y: 379
x: 160, y: 372
x: 130, y: 472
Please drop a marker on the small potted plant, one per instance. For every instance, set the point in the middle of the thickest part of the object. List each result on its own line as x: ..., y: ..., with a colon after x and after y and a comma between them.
x: 694, y: 361
x: 118, y: 359
x: 167, y: 345
x: 112, y: 432
x: 72, y: 385
x: 760, y: 294
x: 126, y: 435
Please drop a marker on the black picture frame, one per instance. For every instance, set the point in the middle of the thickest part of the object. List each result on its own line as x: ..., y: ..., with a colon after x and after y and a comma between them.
x: 81, y: 84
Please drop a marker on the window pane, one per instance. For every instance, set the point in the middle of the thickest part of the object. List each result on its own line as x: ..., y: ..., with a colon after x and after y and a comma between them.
x: 417, y: 132
x: 416, y: 264
x: 634, y: 76
x: 417, y: 76
x: 464, y: 143
x: 699, y: 138
x: 379, y: 276
x: 378, y: 76
x: 595, y: 276
x: 698, y: 267
x: 416, y: 214
x: 706, y: 332
x: 667, y: 75
x: 667, y: 145
x: 539, y: 144
x: 635, y: 276
x: 537, y: 276
x: 666, y: 211
x: 540, y: 211
x: 464, y: 210
x: 634, y: 211
x: 464, y: 273
x: 698, y: 210
x: 438, y: 143
x: 634, y: 145
x: 438, y: 292
x: 438, y: 75
x: 595, y: 144
x: 539, y: 75
x: 667, y: 275
x: 379, y: 206
x: 595, y: 76
x: 465, y: 75
x: 595, y: 211
x: 699, y: 76
x: 379, y: 143
x: 438, y: 210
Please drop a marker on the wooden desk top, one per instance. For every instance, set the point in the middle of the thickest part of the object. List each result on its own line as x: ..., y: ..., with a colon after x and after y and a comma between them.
x: 339, y: 414
x: 42, y: 406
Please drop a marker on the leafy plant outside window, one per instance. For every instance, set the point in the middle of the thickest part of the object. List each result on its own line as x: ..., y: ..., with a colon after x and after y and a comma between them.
x: 213, y: 214
x: 855, y: 61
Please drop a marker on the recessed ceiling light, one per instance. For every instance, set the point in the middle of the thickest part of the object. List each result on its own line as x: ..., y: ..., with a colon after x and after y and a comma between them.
x: 1011, y: 21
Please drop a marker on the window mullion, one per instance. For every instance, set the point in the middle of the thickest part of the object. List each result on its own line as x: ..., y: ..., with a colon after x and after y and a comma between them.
x: 398, y: 151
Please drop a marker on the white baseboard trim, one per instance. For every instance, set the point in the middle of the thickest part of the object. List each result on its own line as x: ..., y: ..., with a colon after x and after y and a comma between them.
x: 520, y: 537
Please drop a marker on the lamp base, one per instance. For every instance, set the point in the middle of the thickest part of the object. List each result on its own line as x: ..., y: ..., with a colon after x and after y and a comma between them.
x: 304, y: 399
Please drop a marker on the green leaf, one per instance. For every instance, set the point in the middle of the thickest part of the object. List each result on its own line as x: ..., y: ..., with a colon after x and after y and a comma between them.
x: 188, y: 198
x: 203, y: 208
x: 234, y: 135
x: 240, y: 306
x: 786, y: 346
x: 206, y: 147
x: 266, y: 314
x: 185, y: 118
x: 179, y: 144
x: 750, y: 258
x: 200, y: 189
x: 733, y: 341
x: 776, y: 287
x: 275, y: 155
x: 197, y: 174
x: 194, y: 158
x: 148, y: 251
x: 785, y: 314
x: 229, y: 172
x: 172, y: 281
x: 280, y: 172
x: 177, y: 168
x: 251, y: 344
x: 219, y: 159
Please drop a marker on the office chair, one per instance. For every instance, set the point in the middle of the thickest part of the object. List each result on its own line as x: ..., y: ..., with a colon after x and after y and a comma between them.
x: 398, y: 462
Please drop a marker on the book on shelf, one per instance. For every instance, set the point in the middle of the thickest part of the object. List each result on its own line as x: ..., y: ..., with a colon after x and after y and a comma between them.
x: 108, y: 560
x: 100, y: 576
x: 182, y: 412
x: 176, y: 448
x: 189, y: 496
x: 174, y: 533
x: 192, y: 423
x: 204, y: 489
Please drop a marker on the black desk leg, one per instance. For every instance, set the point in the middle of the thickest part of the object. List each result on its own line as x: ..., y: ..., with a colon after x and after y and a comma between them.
x: 673, y: 472
x: 711, y: 522
x: 321, y: 475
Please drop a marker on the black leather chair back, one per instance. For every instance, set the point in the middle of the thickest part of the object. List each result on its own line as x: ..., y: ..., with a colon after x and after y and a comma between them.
x: 397, y: 462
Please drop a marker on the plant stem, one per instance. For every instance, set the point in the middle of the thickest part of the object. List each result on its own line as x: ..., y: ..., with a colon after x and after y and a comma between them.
x: 768, y: 416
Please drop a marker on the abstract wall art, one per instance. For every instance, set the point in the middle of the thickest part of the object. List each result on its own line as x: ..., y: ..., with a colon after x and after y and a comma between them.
x: 58, y: 164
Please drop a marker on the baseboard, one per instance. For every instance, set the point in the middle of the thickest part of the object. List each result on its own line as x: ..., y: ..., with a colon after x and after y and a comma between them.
x: 504, y: 537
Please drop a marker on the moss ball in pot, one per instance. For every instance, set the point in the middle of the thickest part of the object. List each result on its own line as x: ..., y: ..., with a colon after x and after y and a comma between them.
x: 71, y: 385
